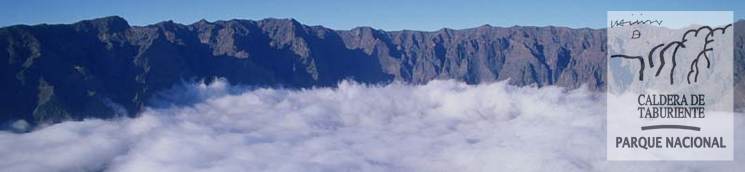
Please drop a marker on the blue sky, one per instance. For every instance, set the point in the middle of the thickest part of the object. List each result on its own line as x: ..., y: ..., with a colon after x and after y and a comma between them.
x: 346, y: 14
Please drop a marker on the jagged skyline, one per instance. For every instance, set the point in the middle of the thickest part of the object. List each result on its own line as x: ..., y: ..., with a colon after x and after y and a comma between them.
x: 344, y: 15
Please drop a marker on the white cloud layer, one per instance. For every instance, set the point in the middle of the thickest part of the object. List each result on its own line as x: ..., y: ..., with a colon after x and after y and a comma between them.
x: 441, y: 126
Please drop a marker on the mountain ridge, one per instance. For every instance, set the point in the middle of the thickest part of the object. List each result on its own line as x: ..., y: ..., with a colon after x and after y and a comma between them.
x: 105, y: 67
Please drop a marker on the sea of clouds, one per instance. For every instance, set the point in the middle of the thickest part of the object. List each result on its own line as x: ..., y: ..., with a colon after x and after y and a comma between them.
x: 440, y: 126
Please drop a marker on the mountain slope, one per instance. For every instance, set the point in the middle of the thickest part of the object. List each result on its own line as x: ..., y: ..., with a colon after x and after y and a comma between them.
x: 105, y: 67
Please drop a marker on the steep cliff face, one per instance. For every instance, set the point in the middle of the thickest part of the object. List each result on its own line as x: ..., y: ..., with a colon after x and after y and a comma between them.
x: 524, y: 55
x: 105, y: 67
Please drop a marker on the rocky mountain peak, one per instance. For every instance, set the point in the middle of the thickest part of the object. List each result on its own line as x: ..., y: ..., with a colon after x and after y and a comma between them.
x: 109, y: 24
